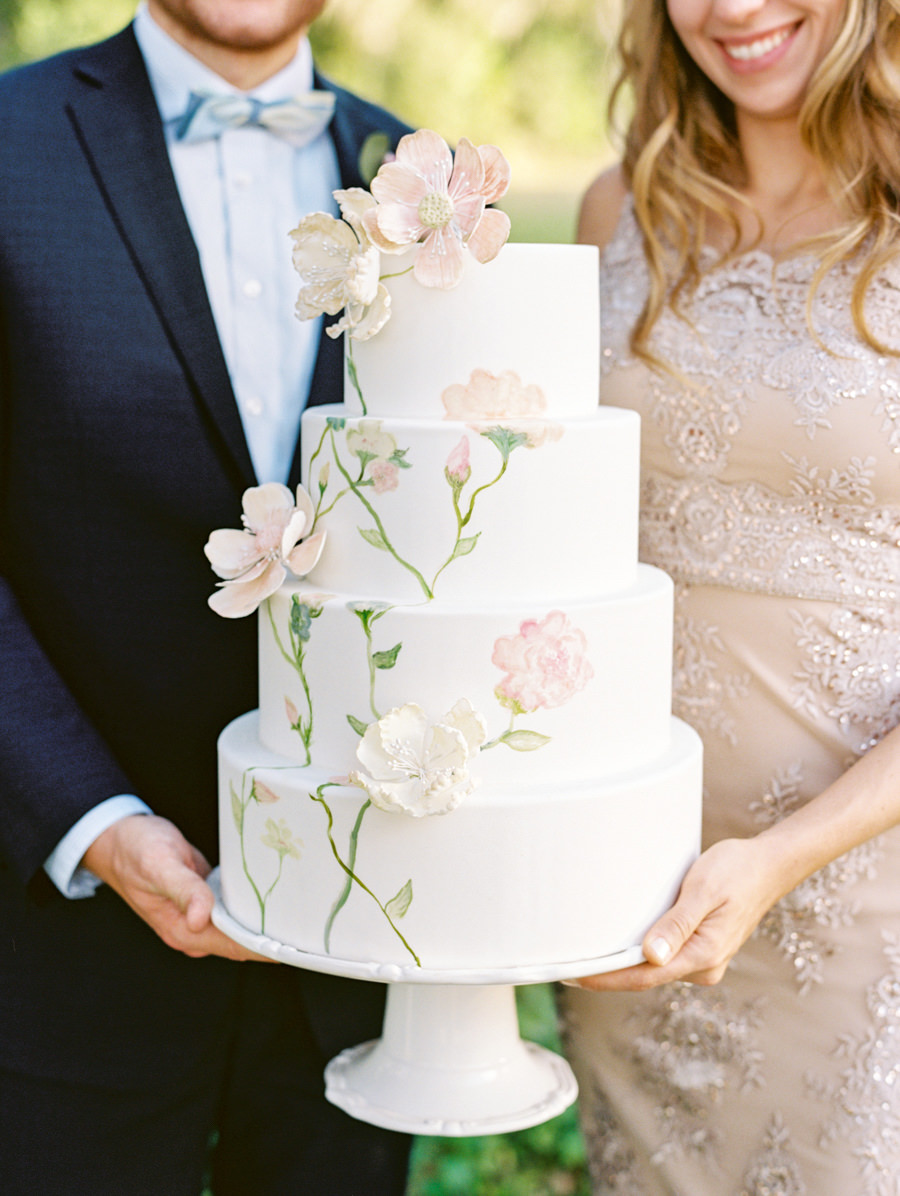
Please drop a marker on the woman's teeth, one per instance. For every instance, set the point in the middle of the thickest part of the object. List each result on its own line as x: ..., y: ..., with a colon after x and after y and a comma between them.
x: 750, y: 50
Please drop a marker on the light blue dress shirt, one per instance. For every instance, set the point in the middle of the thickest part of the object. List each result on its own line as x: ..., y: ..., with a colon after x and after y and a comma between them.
x: 242, y: 193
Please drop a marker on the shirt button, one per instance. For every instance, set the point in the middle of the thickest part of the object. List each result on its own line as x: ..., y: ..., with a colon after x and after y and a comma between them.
x: 254, y: 405
x: 252, y: 288
x: 242, y: 178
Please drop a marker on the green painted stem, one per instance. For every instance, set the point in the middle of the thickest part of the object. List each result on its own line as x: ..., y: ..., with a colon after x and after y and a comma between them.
x: 317, y: 796
x: 365, y: 502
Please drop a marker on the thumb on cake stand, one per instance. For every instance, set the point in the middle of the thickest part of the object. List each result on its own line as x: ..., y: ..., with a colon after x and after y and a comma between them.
x: 724, y: 896
x: 162, y: 877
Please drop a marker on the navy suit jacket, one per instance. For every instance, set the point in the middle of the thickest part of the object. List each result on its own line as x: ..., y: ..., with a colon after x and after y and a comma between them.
x: 121, y: 448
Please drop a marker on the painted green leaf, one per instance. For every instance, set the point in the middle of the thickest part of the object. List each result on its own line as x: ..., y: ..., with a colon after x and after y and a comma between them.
x: 338, y: 421
x: 301, y: 617
x: 373, y: 536
x: 398, y: 458
x: 465, y: 546
x: 237, y: 809
x: 397, y: 906
x: 524, y: 741
x: 386, y: 659
x: 505, y: 439
x: 357, y: 724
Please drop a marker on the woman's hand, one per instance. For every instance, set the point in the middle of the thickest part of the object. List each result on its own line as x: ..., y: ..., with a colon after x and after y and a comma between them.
x: 723, y: 897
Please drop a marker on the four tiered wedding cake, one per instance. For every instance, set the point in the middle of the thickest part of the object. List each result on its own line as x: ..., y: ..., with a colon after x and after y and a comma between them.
x: 464, y: 755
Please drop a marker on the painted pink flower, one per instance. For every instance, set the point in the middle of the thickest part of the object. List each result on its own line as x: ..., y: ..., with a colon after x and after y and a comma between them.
x: 544, y: 665
x: 254, y: 562
x: 458, y: 468
x: 385, y: 476
x: 502, y: 399
x: 426, y: 195
x: 263, y: 794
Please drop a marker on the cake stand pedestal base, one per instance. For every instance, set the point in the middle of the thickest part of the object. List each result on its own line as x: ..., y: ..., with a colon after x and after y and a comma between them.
x: 450, y: 1062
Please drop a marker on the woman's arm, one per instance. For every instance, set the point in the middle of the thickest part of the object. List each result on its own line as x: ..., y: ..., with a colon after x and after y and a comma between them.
x: 601, y: 208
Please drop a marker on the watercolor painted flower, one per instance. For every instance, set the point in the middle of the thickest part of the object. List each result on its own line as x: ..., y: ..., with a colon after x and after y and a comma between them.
x: 262, y: 794
x: 255, y: 561
x: 428, y: 196
x: 544, y: 665
x: 416, y: 767
x: 502, y: 399
x: 280, y: 838
x: 385, y: 476
x: 340, y: 270
x: 458, y: 469
x: 370, y: 442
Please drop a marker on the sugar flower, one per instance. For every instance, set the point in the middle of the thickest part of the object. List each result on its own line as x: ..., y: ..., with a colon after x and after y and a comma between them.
x: 416, y: 767
x: 340, y: 269
x: 429, y: 196
x: 254, y: 562
x: 544, y: 665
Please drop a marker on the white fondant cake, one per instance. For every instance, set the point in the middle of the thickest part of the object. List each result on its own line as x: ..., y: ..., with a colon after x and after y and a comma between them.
x: 464, y: 756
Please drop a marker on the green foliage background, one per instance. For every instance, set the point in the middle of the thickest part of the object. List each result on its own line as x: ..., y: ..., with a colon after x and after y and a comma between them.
x: 531, y: 76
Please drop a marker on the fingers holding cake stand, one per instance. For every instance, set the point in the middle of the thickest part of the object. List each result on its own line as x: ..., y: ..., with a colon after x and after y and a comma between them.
x: 450, y: 1061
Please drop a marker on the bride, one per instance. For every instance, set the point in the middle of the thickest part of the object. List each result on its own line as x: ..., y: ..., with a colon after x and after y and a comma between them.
x: 751, y: 314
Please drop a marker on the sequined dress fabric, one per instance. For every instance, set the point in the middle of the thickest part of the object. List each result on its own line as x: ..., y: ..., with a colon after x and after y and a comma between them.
x: 771, y: 495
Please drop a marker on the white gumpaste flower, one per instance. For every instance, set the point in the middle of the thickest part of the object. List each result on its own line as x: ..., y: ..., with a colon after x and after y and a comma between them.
x: 416, y: 767
x: 254, y: 562
x: 340, y: 269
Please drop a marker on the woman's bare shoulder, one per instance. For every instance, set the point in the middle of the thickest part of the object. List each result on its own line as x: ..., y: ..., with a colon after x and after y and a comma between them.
x: 602, y: 207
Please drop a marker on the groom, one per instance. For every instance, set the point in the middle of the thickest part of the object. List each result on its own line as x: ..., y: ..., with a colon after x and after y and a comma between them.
x: 151, y: 370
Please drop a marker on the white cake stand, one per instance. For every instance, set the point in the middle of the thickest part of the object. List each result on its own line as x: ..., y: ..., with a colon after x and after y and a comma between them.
x: 450, y: 1060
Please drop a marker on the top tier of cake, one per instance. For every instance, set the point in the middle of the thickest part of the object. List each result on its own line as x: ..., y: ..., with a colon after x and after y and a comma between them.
x: 533, y: 310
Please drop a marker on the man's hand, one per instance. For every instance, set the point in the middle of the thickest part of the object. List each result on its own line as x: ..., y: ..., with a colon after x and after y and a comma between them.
x: 155, y: 870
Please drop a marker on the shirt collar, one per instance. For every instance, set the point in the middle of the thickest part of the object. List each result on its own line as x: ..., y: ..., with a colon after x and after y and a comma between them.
x: 175, y: 72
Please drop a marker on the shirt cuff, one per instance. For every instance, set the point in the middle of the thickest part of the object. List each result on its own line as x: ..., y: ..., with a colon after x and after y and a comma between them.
x: 62, y: 865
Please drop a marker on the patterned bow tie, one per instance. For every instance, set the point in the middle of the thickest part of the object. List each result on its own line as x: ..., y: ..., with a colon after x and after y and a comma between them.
x: 298, y: 120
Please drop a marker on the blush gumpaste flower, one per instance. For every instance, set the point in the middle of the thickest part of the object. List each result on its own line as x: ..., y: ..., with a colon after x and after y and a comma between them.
x: 255, y: 561
x: 544, y: 665
x: 430, y: 196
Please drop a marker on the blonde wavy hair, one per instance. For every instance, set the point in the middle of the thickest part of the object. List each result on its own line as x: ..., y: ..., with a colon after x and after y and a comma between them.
x: 683, y: 162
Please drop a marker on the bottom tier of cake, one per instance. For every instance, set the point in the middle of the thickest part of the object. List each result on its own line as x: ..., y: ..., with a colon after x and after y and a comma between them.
x: 513, y: 876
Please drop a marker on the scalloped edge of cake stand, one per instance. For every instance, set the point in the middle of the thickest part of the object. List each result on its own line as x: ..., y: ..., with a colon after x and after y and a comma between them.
x: 552, y: 1089
x: 394, y: 973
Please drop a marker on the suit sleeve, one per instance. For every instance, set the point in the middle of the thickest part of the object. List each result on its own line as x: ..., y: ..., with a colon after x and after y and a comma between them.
x: 54, y: 766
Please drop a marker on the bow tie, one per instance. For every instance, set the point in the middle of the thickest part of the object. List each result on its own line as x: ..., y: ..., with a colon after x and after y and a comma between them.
x: 298, y: 120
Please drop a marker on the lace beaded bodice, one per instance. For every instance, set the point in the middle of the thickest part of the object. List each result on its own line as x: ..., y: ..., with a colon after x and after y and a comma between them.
x: 777, y: 468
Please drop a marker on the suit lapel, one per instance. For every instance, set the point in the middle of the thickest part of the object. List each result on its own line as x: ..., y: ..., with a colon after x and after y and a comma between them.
x: 118, y: 126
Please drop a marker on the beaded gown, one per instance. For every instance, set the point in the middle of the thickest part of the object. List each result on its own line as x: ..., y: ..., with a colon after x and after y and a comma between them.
x: 771, y: 495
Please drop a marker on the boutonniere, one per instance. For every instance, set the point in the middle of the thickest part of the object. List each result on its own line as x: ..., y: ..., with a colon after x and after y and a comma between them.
x: 373, y: 155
